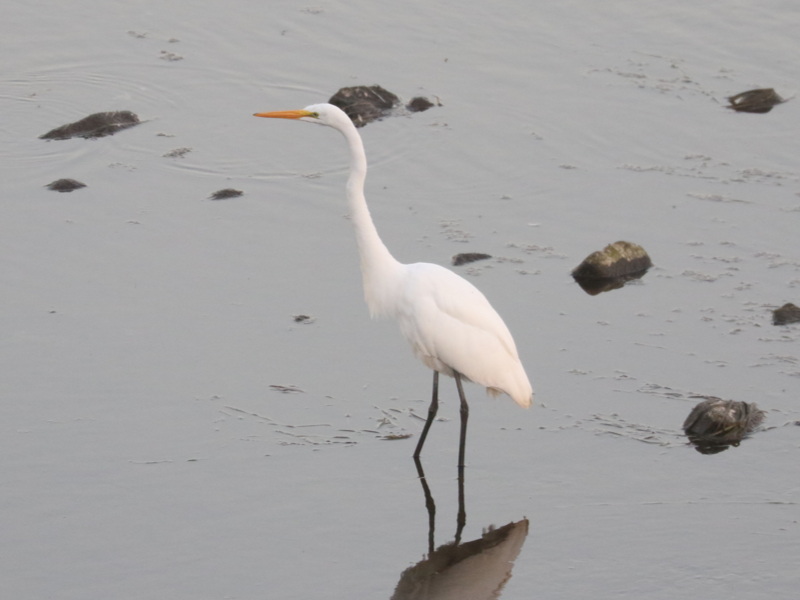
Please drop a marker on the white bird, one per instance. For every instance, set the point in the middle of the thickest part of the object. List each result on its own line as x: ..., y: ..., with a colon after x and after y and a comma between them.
x: 450, y: 325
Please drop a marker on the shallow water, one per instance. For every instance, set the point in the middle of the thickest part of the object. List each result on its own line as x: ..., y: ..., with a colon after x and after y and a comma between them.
x: 145, y: 453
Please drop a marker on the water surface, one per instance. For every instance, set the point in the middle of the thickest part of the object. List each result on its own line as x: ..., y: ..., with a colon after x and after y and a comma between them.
x: 146, y: 453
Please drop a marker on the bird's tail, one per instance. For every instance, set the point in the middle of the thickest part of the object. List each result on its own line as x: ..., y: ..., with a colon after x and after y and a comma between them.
x: 522, y: 396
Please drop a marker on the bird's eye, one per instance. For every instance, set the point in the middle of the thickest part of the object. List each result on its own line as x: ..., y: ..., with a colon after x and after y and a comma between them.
x: 315, y: 115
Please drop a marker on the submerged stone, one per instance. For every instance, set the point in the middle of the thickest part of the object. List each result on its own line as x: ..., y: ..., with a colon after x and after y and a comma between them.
x: 226, y: 193
x: 468, y: 257
x: 714, y: 424
x: 65, y: 185
x: 419, y: 104
x: 94, y: 126
x: 611, y: 267
x: 755, y: 101
x: 364, y: 104
x: 786, y: 314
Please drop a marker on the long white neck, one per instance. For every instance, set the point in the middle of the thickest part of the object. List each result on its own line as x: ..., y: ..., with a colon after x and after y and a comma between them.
x: 380, y: 270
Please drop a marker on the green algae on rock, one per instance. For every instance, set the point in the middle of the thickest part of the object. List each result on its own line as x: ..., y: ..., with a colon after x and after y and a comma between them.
x: 611, y: 267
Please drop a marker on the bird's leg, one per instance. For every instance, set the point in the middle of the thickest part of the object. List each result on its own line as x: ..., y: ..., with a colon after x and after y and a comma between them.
x: 432, y: 410
x: 429, y: 504
x: 464, y: 418
x: 461, y: 519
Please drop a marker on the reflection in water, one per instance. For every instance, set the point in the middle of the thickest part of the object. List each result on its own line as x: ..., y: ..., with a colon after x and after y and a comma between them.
x: 476, y: 570
x: 593, y: 287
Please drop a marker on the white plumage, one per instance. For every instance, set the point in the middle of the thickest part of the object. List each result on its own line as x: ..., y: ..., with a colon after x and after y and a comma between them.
x: 448, y: 322
x: 452, y: 327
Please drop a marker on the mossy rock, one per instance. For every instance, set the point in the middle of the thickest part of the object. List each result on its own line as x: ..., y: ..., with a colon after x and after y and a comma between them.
x: 620, y: 259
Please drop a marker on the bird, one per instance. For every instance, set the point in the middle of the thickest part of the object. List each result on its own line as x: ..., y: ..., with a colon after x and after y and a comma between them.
x: 451, y: 326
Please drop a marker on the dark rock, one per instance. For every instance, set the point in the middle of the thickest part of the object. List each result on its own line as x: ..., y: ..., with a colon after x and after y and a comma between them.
x: 94, y: 126
x: 755, y: 101
x: 786, y: 314
x: 468, y: 257
x: 225, y: 194
x: 715, y: 424
x: 610, y: 268
x: 65, y: 185
x: 419, y: 104
x: 364, y: 104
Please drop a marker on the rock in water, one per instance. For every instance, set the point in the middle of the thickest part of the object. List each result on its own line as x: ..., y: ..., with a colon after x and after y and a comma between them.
x: 714, y: 424
x: 612, y: 267
x: 755, y: 101
x: 786, y: 314
x: 419, y: 104
x: 94, y: 126
x: 226, y: 194
x: 65, y: 185
x: 468, y: 257
x: 364, y: 104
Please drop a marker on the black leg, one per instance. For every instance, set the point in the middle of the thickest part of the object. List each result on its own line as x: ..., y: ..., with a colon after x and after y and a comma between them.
x: 464, y: 418
x: 461, y: 519
x: 429, y: 504
x: 434, y: 407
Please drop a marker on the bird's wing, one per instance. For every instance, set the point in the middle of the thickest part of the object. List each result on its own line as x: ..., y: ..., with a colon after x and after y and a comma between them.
x: 435, y: 295
x: 451, y: 326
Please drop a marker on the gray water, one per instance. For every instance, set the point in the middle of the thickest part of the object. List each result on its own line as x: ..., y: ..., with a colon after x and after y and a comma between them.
x: 145, y: 453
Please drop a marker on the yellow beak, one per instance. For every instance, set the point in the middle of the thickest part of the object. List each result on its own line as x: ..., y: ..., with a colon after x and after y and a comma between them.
x: 285, y: 114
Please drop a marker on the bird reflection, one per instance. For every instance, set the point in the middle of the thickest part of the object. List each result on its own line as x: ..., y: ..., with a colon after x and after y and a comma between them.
x: 475, y: 570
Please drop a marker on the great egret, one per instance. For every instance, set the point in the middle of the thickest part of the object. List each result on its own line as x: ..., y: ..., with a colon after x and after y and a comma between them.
x: 450, y: 325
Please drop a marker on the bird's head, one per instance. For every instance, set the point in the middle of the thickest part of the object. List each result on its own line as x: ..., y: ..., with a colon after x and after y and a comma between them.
x: 321, y: 114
